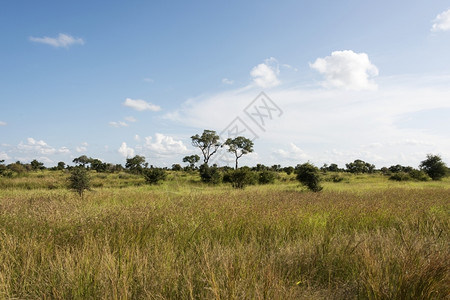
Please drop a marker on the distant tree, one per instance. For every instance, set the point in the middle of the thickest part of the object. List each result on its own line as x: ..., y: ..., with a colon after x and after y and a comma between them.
x: 434, y: 167
x: 98, y: 165
x: 176, y: 167
x: 83, y: 160
x: 2, y: 166
x: 308, y: 175
x: 35, y: 165
x: 192, y: 160
x: 208, y: 143
x: 61, y: 165
x: 17, y: 167
x: 239, y: 146
x: 275, y: 168
x: 79, y: 180
x: 154, y: 175
x: 135, y: 164
x: 260, y: 167
x: 289, y: 170
x: 360, y: 166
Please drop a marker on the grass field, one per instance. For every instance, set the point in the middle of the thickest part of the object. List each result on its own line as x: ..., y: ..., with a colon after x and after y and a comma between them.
x: 363, y: 238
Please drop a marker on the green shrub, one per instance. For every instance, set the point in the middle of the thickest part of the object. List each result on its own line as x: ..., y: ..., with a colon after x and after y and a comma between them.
x: 308, y: 175
x: 241, y: 177
x: 210, y: 174
x: 154, y: 175
x: 79, y: 180
x: 266, y: 177
x: 419, y: 175
x: 400, y: 176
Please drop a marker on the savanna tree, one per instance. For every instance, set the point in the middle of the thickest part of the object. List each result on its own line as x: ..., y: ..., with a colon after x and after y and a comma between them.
x: 434, y: 167
x: 239, y: 146
x: 208, y: 143
x: 192, y: 160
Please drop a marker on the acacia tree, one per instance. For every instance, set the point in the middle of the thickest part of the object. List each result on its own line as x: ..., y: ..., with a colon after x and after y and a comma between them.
x: 135, y: 164
x: 192, y: 160
x: 239, y: 146
x: 208, y: 143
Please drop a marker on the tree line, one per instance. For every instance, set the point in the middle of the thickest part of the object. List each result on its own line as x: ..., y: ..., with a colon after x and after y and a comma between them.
x: 209, y: 143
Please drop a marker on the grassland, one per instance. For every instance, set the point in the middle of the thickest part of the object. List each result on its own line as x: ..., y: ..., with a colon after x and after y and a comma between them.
x: 362, y: 238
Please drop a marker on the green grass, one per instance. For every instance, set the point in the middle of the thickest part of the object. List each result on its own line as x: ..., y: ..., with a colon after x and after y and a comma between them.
x: 363, y: 238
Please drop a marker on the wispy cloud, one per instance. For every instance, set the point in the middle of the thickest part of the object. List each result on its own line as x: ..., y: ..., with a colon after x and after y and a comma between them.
x: 442, y: 21
x: 141, y: 105
x: 62, y: 40
x: 118, y: 124
x: 3, y: 123
x: 227, y: 81
x: 149, y: 80
x: 131, y: 119
x: 347, y: 70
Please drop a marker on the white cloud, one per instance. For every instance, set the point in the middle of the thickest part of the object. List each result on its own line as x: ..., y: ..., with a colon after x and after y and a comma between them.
x: 442, y: 21
x: 130, y: 119
x: 126, y: 151
x: 118, y: 124
x: 141, y: 105
x: 35, y: 147
x: 347, y: 70
x: 320, y: 120
x: 63, y: 40
x: 265, y: 75
x: 64, y: 150
x: 2, y: 123
x: 227, y: 81
x: 149, y: 80
x: 3, y: 156
x: 164, y: 145
x: 137, y: 138
x: 81, y: 149
x: 294, y: 153
x: 85, y: 144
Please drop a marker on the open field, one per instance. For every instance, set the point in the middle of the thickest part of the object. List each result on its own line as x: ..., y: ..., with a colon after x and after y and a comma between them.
x: 365, y: 237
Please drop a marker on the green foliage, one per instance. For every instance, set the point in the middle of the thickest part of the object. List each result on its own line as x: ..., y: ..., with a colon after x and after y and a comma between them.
x: 266, y: 177
x: 208, y: 143
x: 210, y: 175
x: 154, y: 175
x: 434, y: 167
x: 79, y: 180
x: 360, y: 166
x: 418, y: 175
x: 239, y: 146
x: 192, y: 160
x: 36, y: 165
x: 308, y: 175
x: 135, y: 165
x: 400, y: 176
x: 241, y: 177
x: 176, y: 167
x: 289, y: 170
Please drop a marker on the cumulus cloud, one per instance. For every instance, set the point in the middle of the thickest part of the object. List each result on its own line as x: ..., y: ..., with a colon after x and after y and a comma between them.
x: 141, y: 105
x: 347, y: 70
x: 265, y: 75
x: 118, y: 124
x: 126, y: 151
x: 62, y: 40
x: 80, y: 149
x: 164, y: 145
x: 2, y: 123
x: 227, y: 81
x: 442, y: 21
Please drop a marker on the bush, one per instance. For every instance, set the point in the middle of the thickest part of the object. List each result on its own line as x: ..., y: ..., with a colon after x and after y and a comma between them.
x: 400, y: 176
x: 308, y: 175
x: 241, y: 177
x: 418, y: 175
x: 210, y: 174
x: 79, y: 180
x: 154, y: 175
x: 266, y: 177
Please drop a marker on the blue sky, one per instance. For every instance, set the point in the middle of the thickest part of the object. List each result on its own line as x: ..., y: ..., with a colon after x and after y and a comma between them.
x: 111, y: 79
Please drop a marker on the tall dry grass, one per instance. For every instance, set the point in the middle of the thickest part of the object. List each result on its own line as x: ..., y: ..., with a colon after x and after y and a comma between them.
x: 186, y: 242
